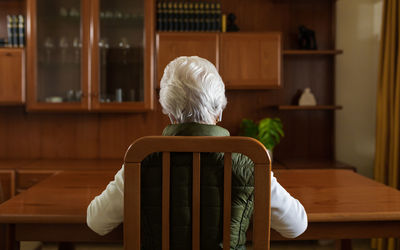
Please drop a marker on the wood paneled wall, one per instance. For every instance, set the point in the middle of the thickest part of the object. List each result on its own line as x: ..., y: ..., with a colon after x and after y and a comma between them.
x: 309, y: 134
x: 90, y: 136
x: 285, y: 16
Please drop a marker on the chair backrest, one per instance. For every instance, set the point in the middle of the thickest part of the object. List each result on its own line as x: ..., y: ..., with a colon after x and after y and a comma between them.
x: 144, y: 146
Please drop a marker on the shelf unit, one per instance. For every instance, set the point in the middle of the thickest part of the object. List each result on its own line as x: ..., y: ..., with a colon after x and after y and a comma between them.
x: 312, y: 52
x: 308, y: 134
x: 317, y: 107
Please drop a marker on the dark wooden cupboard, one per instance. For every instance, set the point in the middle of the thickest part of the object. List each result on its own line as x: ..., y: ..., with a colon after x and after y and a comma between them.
x: 12, y: 76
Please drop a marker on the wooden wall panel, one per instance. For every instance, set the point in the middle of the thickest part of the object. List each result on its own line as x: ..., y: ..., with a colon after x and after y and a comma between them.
x: 113, y: 135
x: 68, y: 135
x: 284, y: 16
x: 309, y: 134
x: 88, y: 140
x: 22, y: 133
x: 91, y: 136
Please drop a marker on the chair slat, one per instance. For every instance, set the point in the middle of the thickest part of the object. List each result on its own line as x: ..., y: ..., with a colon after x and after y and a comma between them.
x: 262, y: 211
x: 165, y: 200
x: 227, y: 200
x: 196, y: 202
x: 132, y: 206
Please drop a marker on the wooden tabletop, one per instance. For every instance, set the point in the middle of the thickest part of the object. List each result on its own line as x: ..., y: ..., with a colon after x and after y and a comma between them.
x: 62, y: 198
x: 340, y: 195
x: 314, y: 164
x: 62, y: 164
x: 327, y: 195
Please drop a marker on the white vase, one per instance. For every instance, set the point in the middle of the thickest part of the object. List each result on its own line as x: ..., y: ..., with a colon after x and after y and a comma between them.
x: 307, y: 98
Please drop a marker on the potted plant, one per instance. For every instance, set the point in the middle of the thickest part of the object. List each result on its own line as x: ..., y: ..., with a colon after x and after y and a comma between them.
x: 268, y: 131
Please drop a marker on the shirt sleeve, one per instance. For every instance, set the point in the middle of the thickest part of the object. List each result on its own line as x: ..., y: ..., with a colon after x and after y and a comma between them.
x: 288, y: 216
x: 106, y: 211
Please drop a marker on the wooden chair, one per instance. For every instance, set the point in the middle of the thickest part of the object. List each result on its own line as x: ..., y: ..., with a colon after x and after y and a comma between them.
x: 197, y: 144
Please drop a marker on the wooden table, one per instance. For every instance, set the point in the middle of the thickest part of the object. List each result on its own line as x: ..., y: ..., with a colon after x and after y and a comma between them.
x: 340, y: 204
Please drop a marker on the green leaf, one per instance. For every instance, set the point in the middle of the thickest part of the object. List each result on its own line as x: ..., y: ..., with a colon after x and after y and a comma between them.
x: 248, y: 128
x: 270, y: 131
x: 277, y: 125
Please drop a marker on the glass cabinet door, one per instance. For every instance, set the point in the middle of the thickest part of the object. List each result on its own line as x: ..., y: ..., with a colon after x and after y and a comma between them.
x: 90, y: 55
x: 120, y: 46
x: 59, y: 52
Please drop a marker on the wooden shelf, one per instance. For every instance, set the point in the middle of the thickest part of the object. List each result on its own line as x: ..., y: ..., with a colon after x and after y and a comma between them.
x: 11, y: 49
x: 312, y: 52
x: 313, y: 163
x: 16, y: 103
x: 318, y: 107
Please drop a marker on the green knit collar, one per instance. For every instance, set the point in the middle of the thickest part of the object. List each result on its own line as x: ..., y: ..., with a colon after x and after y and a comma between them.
x: 194, y: 129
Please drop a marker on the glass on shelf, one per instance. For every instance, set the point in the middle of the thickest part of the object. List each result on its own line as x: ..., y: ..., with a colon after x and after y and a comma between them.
x: 59, y: 51
x: 121, y: 51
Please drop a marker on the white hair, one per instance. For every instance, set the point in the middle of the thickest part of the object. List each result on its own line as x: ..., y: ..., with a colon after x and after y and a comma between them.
x: 192, y: 90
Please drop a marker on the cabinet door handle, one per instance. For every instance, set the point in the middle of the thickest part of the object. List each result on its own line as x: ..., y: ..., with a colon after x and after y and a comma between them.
x: 8, y: 54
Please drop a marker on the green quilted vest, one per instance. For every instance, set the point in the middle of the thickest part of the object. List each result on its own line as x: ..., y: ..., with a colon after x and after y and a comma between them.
x: 211, y: 196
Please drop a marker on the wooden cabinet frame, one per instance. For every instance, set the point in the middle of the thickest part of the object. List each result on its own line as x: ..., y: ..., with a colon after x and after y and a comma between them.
x: 149, y: 24
x: 228, y: 52
x: 89, y: 63
x: 31, y: 36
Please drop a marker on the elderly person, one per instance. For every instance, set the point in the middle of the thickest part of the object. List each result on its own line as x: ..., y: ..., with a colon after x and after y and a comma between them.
x: 193, y: 96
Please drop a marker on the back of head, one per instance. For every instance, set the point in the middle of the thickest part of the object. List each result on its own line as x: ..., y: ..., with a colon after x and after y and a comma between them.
x: 192, y: 90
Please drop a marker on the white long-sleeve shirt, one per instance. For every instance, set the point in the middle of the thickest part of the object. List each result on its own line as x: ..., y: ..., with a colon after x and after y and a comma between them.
x: 106, y: 211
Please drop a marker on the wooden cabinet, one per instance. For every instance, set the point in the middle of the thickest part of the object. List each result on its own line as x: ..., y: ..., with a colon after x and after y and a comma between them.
x: 171, y: 45
x: 245, y: 60
x: 12, y: 76
x: 251, y: 60
x: 90, y: 55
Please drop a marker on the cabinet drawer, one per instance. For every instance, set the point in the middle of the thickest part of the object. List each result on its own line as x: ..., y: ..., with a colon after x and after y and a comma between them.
x: 12, y: 76
x: 28, y: 178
